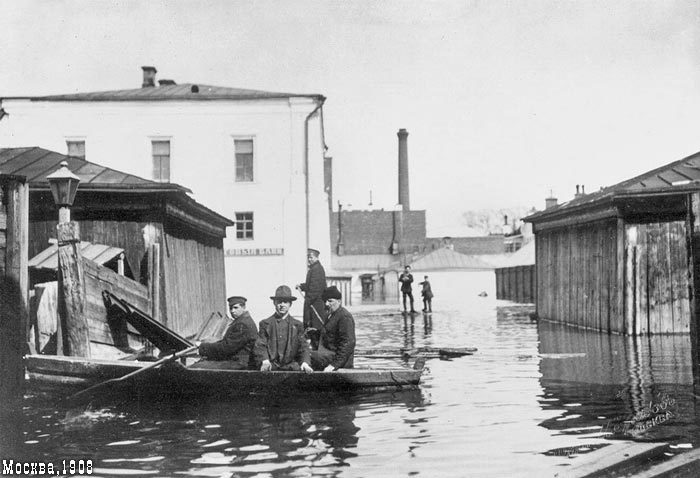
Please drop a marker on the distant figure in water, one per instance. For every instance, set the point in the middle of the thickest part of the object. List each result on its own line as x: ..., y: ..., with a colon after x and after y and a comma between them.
x: 427, y: 294
x: 483, y: 294
x: 406, y: 279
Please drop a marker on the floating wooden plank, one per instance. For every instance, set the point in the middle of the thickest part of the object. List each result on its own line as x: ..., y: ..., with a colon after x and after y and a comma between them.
x: 613, y: 459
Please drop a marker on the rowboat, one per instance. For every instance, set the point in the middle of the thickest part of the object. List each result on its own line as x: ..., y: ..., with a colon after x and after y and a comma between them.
x: 65, y: 375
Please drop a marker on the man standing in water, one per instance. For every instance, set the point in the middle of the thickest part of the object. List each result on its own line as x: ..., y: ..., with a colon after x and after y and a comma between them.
x: 313, y: 289
x: 337, y: 345
x: 281, y: 344
x: 427, y: 294
x: 406, y: 280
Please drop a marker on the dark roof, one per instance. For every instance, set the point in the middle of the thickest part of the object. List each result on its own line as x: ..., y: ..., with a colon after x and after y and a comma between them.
x: 36, y: 163
x: 171, y: 92
x: 677, y: 177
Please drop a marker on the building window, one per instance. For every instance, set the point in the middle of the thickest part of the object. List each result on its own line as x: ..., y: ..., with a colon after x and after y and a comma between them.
x: 76, y: 148
x: 244, y: 160
x: 161, y: 161
x: 244, y: 225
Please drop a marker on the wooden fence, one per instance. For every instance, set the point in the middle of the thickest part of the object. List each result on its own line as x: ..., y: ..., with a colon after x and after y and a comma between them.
x: 517, y: 284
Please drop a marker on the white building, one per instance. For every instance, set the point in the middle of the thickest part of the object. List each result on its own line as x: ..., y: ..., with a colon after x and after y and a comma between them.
x: 253, y: 156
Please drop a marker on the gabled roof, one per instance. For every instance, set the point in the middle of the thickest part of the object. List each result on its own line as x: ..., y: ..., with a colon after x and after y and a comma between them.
x: 36, y: 163
x: 447, y: 259
x: 185, y: 91
x: 677, y: 177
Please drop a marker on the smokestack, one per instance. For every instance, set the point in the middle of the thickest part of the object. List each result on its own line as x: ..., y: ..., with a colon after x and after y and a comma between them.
x: 149, y: 76
x: 403, y: 169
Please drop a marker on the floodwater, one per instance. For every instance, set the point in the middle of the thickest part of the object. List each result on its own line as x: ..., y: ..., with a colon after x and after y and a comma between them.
x: 532, y: 401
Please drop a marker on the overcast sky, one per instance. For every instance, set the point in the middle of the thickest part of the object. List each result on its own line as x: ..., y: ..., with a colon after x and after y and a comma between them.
x: 503, y: 100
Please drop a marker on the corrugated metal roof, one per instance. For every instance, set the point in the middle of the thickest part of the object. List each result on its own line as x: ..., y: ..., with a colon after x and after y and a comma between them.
x: 447, y: 259
x: 675, y: 177
x: 48, y: 258
x: 36, y: 163
x: 172, y: 92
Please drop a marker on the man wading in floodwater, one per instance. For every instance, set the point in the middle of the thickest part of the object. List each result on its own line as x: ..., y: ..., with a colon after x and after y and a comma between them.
x: 406, y: 280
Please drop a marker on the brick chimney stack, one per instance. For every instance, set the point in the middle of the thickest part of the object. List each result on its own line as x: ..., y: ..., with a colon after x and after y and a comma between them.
x: 403, y: 169
x: 149, y: 76
x: 551, y: 201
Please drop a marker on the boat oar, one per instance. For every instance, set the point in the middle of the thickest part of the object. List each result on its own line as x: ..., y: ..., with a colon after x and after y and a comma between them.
x: 90, y: 392
x: 426, y: 352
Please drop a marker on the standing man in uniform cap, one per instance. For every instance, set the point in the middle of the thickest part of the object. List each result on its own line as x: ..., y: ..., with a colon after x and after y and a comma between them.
x: 313, y: 289
x: 235, y: 350
x: 337, y: 345
x: 406, y: 280
x: 281, y: 344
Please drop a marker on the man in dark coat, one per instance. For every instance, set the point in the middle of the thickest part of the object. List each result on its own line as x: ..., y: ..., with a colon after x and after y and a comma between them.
x: 313, y: 289
x: 235, y: 350
x: 406, y: 280
x: 337, y: 345
x: 281, y: 344
x: 427, y: 294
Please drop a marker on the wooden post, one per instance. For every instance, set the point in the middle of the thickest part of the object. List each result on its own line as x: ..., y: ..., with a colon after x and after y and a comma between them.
x: 154, y: 280
x: 14, y: 199
x: 693, y: 244
x: 72, y: 304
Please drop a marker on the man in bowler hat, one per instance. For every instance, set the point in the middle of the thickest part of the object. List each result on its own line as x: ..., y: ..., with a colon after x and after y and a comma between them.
x: 281, y: 344
x: 336, y: 348
x: 235, y: 350
x: 313, y: 288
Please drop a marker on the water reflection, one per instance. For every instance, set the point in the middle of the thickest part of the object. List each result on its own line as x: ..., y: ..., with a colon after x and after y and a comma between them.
x: 612, y: 386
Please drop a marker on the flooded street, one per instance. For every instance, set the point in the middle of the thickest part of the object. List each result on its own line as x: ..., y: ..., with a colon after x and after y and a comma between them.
x: 533, y: 400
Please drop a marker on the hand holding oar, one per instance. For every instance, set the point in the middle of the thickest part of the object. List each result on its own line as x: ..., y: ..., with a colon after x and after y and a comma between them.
x: 90, y: 392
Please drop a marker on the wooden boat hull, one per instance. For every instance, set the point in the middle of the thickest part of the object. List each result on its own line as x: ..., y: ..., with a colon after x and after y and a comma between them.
x: 68, y: 374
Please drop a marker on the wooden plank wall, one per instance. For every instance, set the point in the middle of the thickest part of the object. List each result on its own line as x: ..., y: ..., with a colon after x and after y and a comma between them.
x: 99, y: 278
x: 657, y: 285
x: 517, y: 284
x: 577, y: 276
x: 194, y: 283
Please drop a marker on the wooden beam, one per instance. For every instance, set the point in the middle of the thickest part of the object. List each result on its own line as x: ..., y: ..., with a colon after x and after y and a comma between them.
x: 577, y: 219
x: 71, y: 289
x: 693, y: 243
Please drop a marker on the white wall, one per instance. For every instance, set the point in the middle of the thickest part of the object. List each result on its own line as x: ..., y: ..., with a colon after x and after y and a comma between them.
x: 201, y: 134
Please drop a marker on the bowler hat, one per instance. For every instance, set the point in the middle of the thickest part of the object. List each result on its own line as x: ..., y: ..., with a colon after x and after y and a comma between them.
x: 283, y: 292
x: 236, y: 299
x: 313, y: 251
x: 331, y: 292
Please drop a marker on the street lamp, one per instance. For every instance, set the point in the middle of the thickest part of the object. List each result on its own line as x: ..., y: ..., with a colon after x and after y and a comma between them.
x: 64, y: 185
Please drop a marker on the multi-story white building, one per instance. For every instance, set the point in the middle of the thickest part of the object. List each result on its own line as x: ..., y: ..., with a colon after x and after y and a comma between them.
x: 253, y: 156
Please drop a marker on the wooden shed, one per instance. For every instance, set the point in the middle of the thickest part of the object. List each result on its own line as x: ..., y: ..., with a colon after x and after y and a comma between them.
x: 161, y: 229
x: 624, y: 259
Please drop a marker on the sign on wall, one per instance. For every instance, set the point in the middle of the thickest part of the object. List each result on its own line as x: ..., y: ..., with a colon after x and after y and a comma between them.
x: 255, y: 251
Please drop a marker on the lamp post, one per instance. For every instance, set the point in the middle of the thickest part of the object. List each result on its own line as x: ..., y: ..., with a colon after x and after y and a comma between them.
x: 64, y: 185
x: 74, y: 336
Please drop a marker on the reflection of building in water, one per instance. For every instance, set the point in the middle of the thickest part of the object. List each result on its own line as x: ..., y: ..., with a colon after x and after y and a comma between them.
x: 611, y: 375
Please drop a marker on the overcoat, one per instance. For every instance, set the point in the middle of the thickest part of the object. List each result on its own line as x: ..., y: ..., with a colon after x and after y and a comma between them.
x: 237, y: 344
x: 313, y: 289
x: 296, y: 347
x: 338, y: 336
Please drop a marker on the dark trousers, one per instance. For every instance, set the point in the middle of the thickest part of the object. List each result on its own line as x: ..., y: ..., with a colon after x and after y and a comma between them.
x: 427, y: 304
x: 290, y: 367
x: 410, y: 295
x: 321, y: 358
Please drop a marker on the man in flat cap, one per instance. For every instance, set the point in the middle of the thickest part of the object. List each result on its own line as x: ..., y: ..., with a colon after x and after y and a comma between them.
x: 314, y: 314
x: 281, y: 344
x: 235, y: 350
x: 337, y: 344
